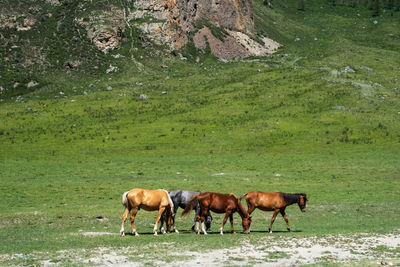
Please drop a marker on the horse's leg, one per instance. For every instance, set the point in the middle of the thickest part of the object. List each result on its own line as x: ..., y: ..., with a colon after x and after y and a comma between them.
x: 209, y: 219
x: 231, y: 221
x: 133, y: 214
x: 162, y: 220
x: 286, y: 219
x: 196, y: 218
x: 221, y: 229
x: 173, y: 218
x: 250, y: 206
x: 160, y: 212
x: 272, y: 220
x: 202, y: 217
x: 197, y: 227
x: 122, y: 231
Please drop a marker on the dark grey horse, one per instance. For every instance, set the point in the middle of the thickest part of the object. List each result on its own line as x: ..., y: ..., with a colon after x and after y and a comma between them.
x: 180, y: 198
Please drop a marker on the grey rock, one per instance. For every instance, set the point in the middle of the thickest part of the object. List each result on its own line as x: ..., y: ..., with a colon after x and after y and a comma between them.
x: 348, y: 69
x: 143, y: 97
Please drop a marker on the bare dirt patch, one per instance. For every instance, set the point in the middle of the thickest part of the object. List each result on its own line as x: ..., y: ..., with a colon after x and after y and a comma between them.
x: 288, y: 251
x: 271, y: 250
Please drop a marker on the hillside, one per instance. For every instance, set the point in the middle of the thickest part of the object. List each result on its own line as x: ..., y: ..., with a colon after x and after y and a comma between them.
x: 41, y: 36
x: 335, y: 81
x: 80, y: 126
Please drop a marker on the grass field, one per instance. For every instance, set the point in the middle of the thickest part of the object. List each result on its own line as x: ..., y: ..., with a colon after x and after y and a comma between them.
x: 299, y: 121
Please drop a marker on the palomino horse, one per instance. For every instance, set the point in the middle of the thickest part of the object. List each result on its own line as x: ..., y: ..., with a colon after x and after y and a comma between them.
x: 276, y: 202
x: 180, y: 198
x: 219, y: 203
x: 149, y: 200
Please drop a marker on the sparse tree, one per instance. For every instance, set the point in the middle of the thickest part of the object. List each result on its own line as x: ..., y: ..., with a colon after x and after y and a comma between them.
x: 389, y: 4
x: 268, y: 3
x: 376, y: 7
x: 354, y: 3
x: 302, y: 5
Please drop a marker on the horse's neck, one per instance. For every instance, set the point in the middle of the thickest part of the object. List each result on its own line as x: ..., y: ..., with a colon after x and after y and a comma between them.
x: 291, y: 198
x: 242, y: 211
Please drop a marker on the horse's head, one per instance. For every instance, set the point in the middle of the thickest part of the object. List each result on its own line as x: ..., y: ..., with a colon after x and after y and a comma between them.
x: 246, y: 218
x: 303, y: 202
x: 246, y: 222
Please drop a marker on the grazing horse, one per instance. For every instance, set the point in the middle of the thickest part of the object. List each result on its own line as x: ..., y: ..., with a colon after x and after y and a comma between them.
x: 218, y: 203
x: 149, y: 200
x: 180, y: 198
x: 276, y: 202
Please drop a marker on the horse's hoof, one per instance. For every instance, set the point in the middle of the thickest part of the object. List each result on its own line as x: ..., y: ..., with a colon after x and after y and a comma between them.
x: 289, y: 230
x: 176, y: 231
x: 155, y: 234
x: 234, y: 232
x: 270, y: 231
x: 122, y: 233
x: 221, y: 233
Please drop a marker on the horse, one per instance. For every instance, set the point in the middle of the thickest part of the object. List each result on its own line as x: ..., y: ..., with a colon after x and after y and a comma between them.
x: 149, y: 200
x: 180, y: 198
x: 218, y: 203
x: 276, y: 202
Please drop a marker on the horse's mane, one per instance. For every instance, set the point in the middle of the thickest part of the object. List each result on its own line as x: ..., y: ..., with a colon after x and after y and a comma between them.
x: 293, y: 198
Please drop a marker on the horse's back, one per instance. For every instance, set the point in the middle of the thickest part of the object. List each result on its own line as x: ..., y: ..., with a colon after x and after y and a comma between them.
x: 219, y: 202
x: 265, y: 200
x: 148, y: 199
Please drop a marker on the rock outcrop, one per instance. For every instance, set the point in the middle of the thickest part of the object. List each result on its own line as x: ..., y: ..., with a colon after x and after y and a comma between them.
x: 105, y: 29
x: 170, y: 22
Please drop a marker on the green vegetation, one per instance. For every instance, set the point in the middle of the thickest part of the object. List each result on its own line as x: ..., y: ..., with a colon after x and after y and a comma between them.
x: 321, y: 117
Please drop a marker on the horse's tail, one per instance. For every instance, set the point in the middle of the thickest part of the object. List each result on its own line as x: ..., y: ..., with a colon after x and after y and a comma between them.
x: 189, y: 207
x: 171, y: 204
x: 125, y: 202
x: 242, y: 196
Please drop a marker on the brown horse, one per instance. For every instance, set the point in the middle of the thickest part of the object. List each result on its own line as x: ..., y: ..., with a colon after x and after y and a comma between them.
x: 276, y: 202
x: 149, y: 200
x: 218, y: 203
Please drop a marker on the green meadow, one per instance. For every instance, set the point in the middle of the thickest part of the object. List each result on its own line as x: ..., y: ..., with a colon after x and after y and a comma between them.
x: 322, y: 116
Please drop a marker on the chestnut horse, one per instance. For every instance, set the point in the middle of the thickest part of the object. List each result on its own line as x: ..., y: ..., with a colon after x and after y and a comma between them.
x: 149, y: 200
x: 276, y: 202
x: 218, y: 203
